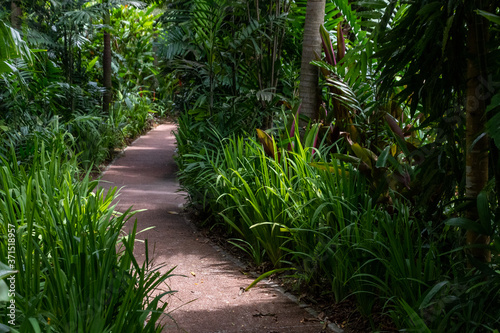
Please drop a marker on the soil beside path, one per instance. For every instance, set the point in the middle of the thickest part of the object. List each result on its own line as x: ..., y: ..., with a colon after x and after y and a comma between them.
x: 208, y: 298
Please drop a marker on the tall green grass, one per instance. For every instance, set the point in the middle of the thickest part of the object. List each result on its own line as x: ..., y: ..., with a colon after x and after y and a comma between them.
x: 75, y: 266
x: 321, y: 217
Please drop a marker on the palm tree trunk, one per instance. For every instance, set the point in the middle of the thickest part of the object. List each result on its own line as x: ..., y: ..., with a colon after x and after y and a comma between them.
x: 311, y: 46
x: 477, y: 150
x: 106, y: 63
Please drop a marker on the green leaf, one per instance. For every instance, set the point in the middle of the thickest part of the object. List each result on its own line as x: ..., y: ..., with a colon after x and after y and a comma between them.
x: 331, y: 167
x: 4, y: 291
x: 495, y: 103
x: 263, y: 276
x: 418, y: 324
x: 92, y: 64
x: 493, y: 128
x: 347, y: 158
x: 466, y: 224
x: 362, y: 154
x: 312, y: 135
x: 430, y: 295
x: 493, y: 124
x: 35, y: 325
x: 5, y: 329
x: 382, y: 159
x: 349, y: 14
x: 5, y: 271
x: 489, y: 16
x: 364, y: 63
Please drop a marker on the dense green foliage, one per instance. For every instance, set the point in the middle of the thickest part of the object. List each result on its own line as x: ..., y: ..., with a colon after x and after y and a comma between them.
x: 60, y: 80
x: 230, y: 59
x: 318, y: 215
x: 73, y: 265
x: 75, y: 269
x: 369, y: 202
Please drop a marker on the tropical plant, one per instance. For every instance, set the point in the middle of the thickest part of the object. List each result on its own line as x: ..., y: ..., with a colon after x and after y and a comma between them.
x: 12, y: 47
x: 440, y: 86
x: 204, y: 45
x: 75, y: 267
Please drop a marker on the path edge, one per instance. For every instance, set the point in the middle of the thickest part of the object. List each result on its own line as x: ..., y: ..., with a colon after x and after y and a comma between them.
x: 331, y: 326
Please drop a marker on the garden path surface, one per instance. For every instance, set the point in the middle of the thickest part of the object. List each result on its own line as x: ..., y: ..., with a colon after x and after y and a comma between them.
x: 208, y: 297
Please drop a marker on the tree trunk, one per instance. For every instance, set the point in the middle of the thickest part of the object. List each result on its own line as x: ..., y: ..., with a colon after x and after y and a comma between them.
x: 15, y: 15
x: 311, y: 46
x: 106, y: 64
x: 477, y: 151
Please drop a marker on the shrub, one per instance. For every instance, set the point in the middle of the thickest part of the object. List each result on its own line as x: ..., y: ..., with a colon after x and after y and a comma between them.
x: 75, y: 266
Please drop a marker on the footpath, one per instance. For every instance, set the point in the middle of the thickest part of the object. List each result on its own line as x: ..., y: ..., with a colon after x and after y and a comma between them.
x: 208, y: 281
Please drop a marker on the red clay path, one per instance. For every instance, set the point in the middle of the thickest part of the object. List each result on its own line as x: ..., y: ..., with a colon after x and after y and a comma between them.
x: 208, y: 298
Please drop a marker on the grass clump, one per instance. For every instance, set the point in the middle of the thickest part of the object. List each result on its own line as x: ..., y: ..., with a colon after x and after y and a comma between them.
x: 74, y: 266
x: 320, y: 216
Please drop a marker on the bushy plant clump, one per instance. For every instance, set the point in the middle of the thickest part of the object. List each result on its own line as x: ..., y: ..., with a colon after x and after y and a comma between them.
x: 50, y: 73
x: 73, y: 265
x: 309, y: 211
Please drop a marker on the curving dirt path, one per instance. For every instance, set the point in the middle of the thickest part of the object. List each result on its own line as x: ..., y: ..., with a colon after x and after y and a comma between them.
x: 208, y: 298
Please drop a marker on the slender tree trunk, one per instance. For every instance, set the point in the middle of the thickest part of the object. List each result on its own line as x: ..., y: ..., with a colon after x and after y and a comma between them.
x: 106, y: 64
x: 311, y: 46
x: 156, y: 63
x: 15, y: 15
x: 477, y: 151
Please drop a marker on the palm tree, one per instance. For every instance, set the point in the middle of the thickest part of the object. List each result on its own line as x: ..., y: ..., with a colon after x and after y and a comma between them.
x: 423, y: 54
x: 476, y: 143
x: 311, y: 49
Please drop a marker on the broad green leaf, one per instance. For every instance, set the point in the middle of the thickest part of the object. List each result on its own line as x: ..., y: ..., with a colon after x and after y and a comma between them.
x: 495, y: 103
x: 263, y: 276
x: 489, y: 16
x: 493, y: 125
x: 5, y: 271
x: 92, y: 63
x: 418, y: 324
x: 333, y: 168
x: 6, y: 329
x: 4, y: 291
x: 362, y: 154
x: 35, y: 325
x: 312, y: 135
x: 484, y: 211
x: 382, y: 159
x: 347, y: 158
x: 466, y: 224
x: 431, y: 293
